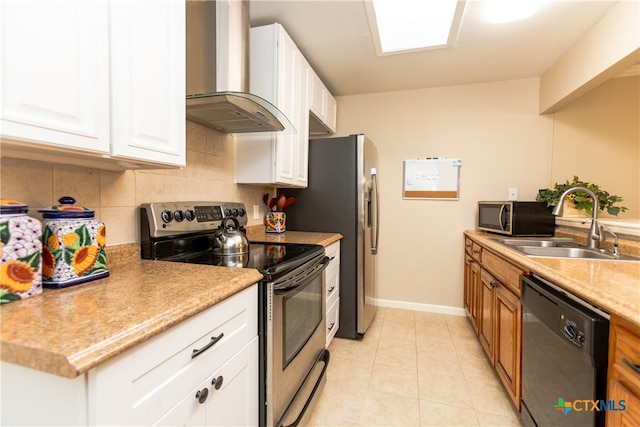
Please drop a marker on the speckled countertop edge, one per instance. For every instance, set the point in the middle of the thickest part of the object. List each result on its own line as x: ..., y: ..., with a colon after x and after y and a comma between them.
x: 67, y: 332
x: 613, y: 286
x: 258, y: 234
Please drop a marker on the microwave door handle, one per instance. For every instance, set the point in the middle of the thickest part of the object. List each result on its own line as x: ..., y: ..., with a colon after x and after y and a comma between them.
x: 501, y: 217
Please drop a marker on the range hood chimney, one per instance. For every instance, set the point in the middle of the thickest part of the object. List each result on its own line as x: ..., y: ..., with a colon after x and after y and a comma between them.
x: 218, y: 70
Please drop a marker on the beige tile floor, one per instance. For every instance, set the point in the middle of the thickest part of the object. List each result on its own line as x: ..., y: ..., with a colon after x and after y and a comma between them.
x: 412, y: 369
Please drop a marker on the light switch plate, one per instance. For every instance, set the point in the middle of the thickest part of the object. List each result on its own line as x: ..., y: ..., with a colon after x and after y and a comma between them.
x: 513, y: 194
x: 256, y: 212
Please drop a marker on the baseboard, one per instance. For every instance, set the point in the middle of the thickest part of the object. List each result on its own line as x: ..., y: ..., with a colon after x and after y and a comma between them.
x: 431, y: 308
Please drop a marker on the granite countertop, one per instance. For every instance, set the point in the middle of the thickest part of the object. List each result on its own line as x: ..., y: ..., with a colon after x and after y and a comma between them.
x: 613, y: 286
x: 257, y: 234
x: 69, y: 331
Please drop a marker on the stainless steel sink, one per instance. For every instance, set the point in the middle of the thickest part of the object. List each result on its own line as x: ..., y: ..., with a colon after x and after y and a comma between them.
x: 538, y: 243
x: 561, y: 249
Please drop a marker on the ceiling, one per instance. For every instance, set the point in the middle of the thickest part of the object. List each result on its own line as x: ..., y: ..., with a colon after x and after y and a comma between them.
x: 334, y: 36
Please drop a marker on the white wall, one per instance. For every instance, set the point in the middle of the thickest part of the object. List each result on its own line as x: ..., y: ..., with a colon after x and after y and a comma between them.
x: 493, y: 128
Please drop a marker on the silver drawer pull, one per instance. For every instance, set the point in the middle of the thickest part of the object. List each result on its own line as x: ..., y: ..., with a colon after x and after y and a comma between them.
x: 331, y: 326
x: 198, y: 351
x: 331, y: 289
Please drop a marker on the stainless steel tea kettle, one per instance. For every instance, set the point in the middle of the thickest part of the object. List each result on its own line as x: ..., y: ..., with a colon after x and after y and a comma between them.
x: 229, y: 240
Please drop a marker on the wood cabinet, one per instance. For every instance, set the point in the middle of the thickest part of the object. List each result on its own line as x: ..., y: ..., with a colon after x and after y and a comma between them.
x: 492, y: 303
x: 94, y: 83
x: 507, y: 355
x: 471, y: 280
x: 280, y: 74
x: 486, y: 313
x: 623, y: 373
x: 323, y: 108
x: 161, y: 381
x: 332, y: 276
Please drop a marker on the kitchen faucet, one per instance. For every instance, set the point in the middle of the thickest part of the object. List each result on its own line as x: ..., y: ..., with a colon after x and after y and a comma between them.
x: 596, y: 234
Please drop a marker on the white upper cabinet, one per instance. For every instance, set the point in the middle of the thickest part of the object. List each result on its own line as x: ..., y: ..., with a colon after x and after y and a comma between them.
x: 94, y: 83
x: 55, y: 74
x: 148, y: 81
x: 323, y: 108
x: 277, y: 74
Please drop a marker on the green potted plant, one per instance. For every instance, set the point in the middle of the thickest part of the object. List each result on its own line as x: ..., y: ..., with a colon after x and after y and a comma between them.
x: 581, y: 200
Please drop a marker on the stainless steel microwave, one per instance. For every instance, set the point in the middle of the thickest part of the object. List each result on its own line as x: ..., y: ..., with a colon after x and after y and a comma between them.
x: 516, y: 218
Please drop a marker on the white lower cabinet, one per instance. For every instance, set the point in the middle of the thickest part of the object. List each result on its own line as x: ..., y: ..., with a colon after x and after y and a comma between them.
x: 162, y: 381
x: 333, y: 290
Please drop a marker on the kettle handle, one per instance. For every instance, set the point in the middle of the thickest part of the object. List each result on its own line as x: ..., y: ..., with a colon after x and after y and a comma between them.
x: 236, y: 223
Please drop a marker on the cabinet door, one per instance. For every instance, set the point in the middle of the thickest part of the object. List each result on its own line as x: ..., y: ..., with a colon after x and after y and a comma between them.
x: 471, y: 282
x: 630, y: 416
x: 233, y: 393
x: 486, y: 297
x: 148, y: 81
x: 508, y: 341
x: 55, y: 66
x: 302, y: 140
x: 332, y: 113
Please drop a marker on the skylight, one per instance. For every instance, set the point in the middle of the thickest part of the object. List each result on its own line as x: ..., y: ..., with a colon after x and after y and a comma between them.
x: 398, y: 26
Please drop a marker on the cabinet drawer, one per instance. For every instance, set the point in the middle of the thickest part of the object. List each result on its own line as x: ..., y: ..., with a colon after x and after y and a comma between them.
x: 163, y: 376
x: 333, y: 290
x: 154, y: 376
x: 333, y: 251
x: 333, y: 320
x: 626, y: 356
x: 235, y: 402
x: 473, y: 248
x: 504, y: 271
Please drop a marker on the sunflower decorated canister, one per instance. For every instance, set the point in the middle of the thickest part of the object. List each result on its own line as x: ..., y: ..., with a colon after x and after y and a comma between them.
x: 74, y: 245
x: 20, y: 249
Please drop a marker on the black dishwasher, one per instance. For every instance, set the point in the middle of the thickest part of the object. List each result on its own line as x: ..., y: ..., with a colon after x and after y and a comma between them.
x: 564, y: 357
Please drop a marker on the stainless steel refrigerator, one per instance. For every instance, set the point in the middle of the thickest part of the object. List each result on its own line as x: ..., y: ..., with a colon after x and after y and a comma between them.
x: 343, y: 197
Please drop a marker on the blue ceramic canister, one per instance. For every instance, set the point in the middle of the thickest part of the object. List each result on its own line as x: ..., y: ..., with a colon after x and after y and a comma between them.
x: 74, y: 245
x: 20, y: 252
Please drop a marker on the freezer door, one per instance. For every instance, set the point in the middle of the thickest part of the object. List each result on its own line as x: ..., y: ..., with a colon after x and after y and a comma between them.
x: 368, y: 230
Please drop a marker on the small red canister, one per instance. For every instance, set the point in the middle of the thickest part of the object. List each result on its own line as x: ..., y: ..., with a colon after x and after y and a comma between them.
x: 20, y: 252
x: 74, y: 245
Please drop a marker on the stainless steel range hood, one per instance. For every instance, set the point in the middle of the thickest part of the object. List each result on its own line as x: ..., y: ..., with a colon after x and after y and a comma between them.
x: 218, y: 70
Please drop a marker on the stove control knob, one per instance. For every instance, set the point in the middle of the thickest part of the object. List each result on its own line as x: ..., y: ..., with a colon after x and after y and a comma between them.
x: 178, y: 216
x: 235, y: 212
x: 166, y: 216
x: 242, y: 212
x: 189, y: 214
x: 227, y: 212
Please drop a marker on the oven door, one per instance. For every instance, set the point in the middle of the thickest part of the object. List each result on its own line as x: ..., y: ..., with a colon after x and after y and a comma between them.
x: 295, y: 339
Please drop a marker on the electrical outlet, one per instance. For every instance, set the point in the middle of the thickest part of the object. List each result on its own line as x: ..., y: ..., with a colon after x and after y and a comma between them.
x: 513, y: 194
x: 256, y: 212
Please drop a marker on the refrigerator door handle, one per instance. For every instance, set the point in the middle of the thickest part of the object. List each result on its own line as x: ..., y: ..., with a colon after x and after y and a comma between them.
x: 376, y: 233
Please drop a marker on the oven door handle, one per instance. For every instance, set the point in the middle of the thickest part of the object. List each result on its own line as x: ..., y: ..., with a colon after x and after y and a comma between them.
x: 291, y: 283
x: 324, y: 358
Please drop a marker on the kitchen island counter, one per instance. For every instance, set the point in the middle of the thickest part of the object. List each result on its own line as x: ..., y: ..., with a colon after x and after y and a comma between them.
x: 613, y: 286
x: 67, y: 332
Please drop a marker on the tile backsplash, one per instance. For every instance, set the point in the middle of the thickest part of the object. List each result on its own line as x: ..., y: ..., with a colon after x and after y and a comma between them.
x: 115, y: 196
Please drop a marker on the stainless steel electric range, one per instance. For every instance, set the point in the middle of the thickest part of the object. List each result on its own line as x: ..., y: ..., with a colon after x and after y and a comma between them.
x: 291, y: 329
